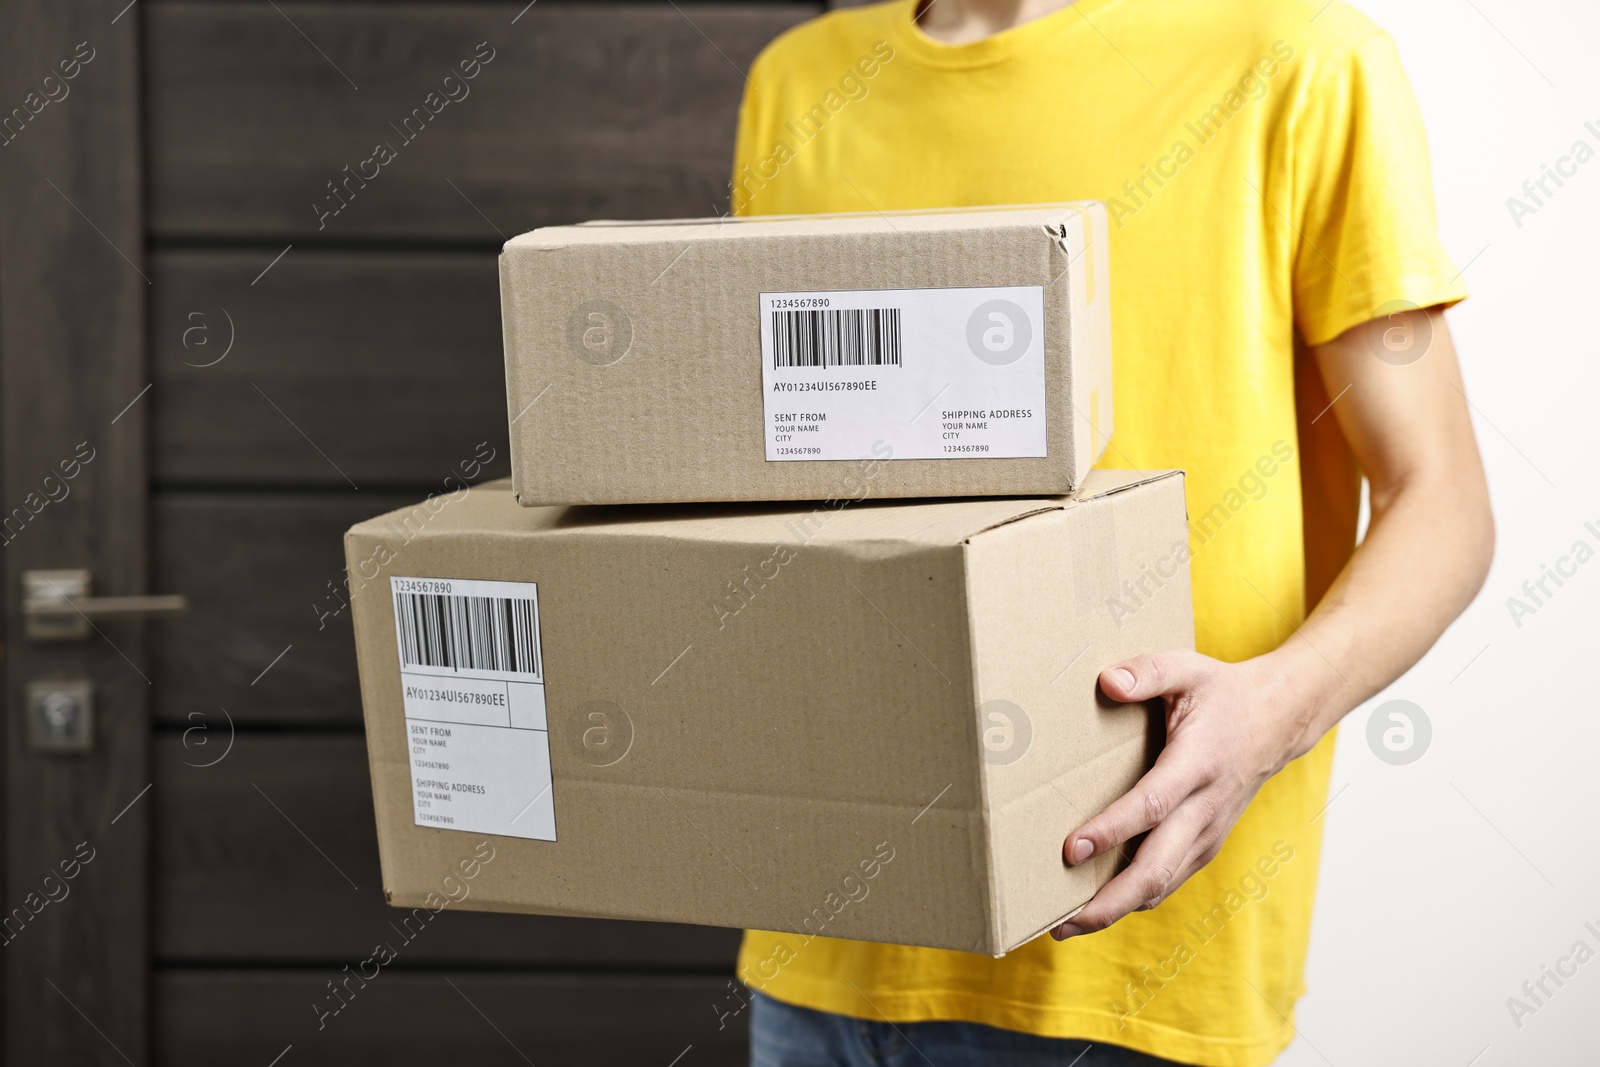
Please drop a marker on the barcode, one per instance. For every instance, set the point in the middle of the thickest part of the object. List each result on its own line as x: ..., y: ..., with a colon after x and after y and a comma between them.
x: 839, y: 337
x: 480, y: 633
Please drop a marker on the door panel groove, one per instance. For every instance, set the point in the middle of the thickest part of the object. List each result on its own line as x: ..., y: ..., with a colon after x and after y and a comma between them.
x: 585, y: 111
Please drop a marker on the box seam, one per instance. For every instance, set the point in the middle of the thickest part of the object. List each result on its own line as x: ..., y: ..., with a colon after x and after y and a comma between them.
x: 1069, y: 389
x: 1018, y: 517
x: 1150, y: 478
x: 513, y: 385
x: 353, y: 537
x: 983, y: 835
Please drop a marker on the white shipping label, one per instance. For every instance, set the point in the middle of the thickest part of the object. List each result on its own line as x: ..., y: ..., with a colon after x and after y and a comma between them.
x: 904, y: 373
x: 472, y: 675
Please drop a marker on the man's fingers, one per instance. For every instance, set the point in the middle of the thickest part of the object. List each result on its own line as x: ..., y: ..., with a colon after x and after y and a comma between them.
x: 1160, y: 866
x: 1147, y: 677
x: 1157, y: 795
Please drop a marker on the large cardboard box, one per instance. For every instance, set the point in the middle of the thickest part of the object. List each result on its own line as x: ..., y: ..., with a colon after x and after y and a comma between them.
x: 760, y: 358
x: 873, y: 720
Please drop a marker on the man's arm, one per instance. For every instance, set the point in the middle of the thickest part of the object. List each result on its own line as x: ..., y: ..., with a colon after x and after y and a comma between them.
x: 1231, y: 726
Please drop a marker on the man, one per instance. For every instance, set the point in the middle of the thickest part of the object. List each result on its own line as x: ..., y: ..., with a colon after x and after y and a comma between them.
x: 1278, y: 289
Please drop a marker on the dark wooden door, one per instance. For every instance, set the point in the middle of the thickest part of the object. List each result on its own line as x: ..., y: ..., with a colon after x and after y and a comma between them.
x: 74, y: 415
x: 264, y: 333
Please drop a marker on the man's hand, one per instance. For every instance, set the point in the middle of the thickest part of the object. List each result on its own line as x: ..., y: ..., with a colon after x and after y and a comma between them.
x: 1231, y: 726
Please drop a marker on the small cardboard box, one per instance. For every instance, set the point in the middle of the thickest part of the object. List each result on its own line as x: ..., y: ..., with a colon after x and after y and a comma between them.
x: 872, y: 720
x: 760, y: 358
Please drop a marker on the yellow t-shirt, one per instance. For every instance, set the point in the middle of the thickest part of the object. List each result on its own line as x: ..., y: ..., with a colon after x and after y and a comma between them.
x: 1267, y: 179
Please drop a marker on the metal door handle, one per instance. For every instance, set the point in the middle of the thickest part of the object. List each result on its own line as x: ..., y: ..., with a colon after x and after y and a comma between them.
x: 56, y: 605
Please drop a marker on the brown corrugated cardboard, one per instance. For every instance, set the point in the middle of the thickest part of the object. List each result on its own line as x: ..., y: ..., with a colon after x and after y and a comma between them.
x: 875, y: 720
x: 762, y: 358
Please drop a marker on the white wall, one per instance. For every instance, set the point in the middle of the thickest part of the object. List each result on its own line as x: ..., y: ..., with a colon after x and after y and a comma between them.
x: 1450, y: 881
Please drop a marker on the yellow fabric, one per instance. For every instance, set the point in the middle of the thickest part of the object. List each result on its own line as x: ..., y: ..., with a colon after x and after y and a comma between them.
x: 1267, y: 177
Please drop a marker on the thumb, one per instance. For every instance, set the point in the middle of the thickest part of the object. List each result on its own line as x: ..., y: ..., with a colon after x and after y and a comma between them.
x: 1150, y: 676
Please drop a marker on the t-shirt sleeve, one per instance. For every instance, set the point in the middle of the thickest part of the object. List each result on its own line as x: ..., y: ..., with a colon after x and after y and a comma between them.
x: 1368, y: 241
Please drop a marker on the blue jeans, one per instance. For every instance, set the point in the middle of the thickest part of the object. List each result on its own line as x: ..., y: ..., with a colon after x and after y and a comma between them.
x: 782, y: 1035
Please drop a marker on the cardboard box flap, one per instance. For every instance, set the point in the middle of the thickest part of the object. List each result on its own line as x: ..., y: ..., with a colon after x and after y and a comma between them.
x: 646, y: 231
x: 478, y: 509
x: 1097, y: 485
x: 1101, y: 482
x: 1054, y: 505
x: 482, y: 510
